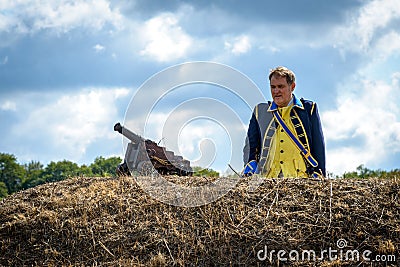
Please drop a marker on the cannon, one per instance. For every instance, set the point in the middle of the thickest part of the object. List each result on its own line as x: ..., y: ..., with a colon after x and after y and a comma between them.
x: 147, y: 157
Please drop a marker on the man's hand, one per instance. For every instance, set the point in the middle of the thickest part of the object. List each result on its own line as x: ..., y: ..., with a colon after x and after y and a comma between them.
x: 250, y: 168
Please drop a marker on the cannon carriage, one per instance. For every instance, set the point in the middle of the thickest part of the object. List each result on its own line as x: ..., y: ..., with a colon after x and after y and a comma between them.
x: 147, y: 157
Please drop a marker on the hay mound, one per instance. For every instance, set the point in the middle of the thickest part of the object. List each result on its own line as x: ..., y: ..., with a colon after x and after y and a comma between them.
x: 113, y: 222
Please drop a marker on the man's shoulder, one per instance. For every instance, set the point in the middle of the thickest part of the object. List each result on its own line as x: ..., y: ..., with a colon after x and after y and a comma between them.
x: 262, y: 107
x: 307, y: 102
x: 264, y: 104
x: 304, y: 100
x: 309, y: 105
x: 261, y: 111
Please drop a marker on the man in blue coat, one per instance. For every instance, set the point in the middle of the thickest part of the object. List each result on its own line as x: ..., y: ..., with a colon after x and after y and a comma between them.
x: 285, y: 138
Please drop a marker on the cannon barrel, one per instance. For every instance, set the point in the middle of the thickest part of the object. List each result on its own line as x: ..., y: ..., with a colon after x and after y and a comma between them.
x: 127, y: 133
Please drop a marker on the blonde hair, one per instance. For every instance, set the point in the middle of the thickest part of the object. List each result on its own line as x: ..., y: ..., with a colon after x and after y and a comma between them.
x: 283, y: 72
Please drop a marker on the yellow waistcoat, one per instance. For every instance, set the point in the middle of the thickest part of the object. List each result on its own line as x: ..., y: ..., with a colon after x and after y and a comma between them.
x: 284, y: 156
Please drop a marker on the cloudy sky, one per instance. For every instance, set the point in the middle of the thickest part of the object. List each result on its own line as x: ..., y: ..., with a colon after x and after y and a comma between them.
x: 70, y: 69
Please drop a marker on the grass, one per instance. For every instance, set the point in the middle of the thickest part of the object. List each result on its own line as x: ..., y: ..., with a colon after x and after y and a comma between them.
x: 114, y: 222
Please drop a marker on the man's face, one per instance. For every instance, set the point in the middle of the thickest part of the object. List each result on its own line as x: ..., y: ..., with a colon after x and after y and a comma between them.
x: 281, y: 91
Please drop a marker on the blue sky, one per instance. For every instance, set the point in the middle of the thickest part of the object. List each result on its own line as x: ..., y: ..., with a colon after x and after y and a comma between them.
x: 69, y: 69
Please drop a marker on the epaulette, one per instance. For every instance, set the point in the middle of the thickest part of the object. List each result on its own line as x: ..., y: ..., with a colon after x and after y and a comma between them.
x: 308, y: 105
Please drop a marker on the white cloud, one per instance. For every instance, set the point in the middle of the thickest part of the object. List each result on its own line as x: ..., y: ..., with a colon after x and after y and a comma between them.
x: 4, y: 61
x: 372, y: 20
x: 8, y: 106
x: 388, y: 45
x: 205, y: 143
x: 366, y: 119
x: 239, y: 45
x: 98, y: 48
x: 61, y: 16
x: 69, y: 124
x: 164, y: 39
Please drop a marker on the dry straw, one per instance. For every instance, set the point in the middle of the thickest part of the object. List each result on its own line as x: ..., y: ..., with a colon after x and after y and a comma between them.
x: 113, y: 222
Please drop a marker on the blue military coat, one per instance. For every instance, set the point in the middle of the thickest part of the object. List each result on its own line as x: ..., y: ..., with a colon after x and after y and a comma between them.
x: 262, y: 127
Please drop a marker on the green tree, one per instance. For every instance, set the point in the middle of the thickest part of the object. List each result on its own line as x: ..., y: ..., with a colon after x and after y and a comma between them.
x: 34, y: 174
x: 200, y: 171
x: 392, y: 173
x: 352, y: 174
x: 11, y: 173
x: 3, y: 190
x: 364, y: 172
x: 105, y: 167
x: 61, y: 170
x: 85, y: 170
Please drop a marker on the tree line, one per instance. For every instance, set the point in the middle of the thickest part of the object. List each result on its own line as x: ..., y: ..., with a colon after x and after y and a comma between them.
x: 15, y: 177
x: 364, y: 172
